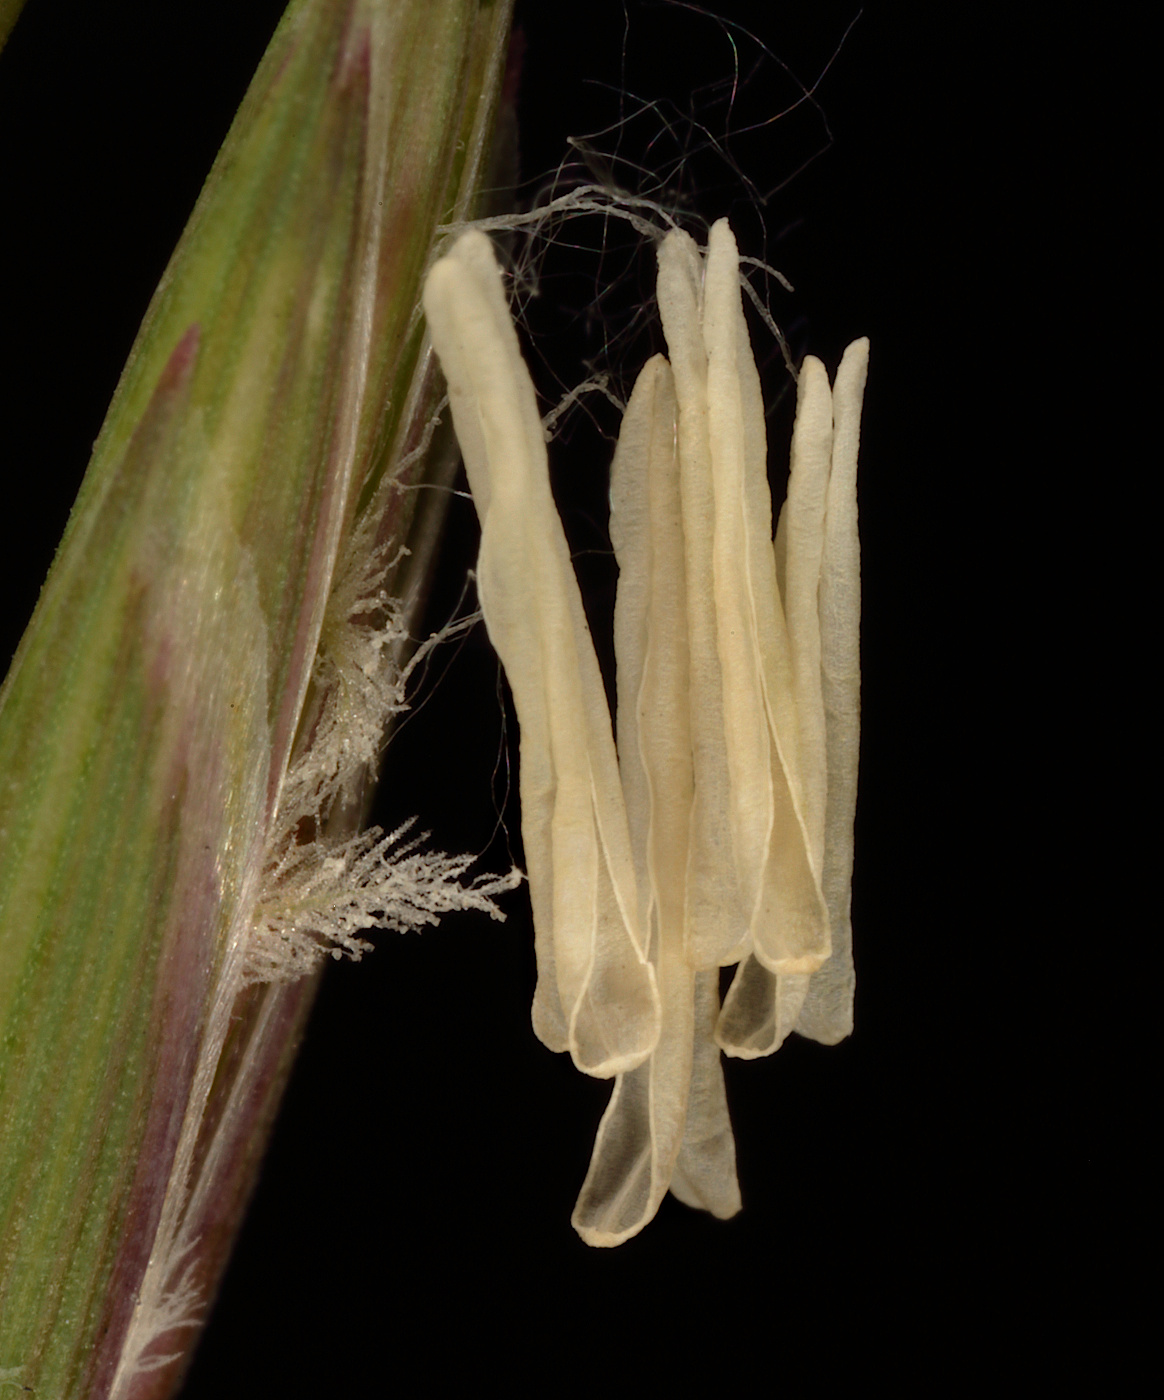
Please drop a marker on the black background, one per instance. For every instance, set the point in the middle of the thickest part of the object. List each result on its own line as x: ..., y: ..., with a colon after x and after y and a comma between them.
x: 411, y: 1228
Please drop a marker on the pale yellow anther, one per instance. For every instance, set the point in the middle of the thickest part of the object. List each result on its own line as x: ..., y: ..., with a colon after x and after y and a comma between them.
x: 722, y: 833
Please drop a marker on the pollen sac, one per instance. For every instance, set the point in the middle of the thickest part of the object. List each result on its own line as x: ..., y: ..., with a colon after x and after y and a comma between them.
x: 722, y: 833
x: 596, y: 993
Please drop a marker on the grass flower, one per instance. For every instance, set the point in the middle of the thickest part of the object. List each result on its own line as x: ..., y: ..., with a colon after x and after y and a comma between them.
x: 191, y: 717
